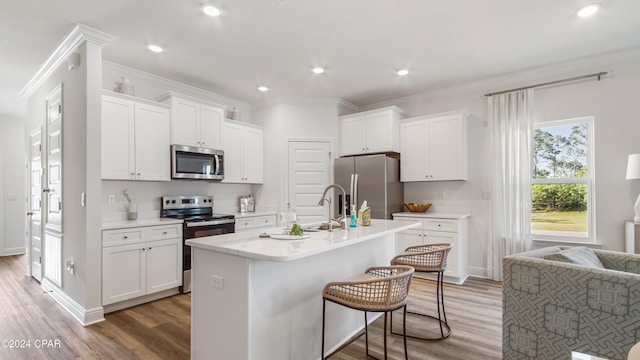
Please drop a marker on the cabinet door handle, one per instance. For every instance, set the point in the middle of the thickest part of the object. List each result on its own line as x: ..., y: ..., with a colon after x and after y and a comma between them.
x: 125, y: 237
x: 149, y: 248
x: 164, y: 233
x: 143, y: 249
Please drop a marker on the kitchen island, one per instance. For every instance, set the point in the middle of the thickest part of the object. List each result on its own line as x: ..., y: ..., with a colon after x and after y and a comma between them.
x: 261, y: 298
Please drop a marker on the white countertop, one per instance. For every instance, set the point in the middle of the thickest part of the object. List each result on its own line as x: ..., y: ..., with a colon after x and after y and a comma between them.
x: 123, y: 224
x: 248, y: 244
x: 433, y: 215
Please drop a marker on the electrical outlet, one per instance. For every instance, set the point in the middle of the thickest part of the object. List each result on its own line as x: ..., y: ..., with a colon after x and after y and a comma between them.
x: 486, y: 195
x: 442, y: 195
x: 111, y: 198
x: 217, y: 282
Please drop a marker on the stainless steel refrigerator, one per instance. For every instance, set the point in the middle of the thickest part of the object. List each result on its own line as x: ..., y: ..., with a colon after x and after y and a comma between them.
x: 375, y: 178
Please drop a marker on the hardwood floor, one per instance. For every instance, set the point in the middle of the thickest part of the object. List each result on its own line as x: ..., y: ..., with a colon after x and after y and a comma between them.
x: 161, y: 329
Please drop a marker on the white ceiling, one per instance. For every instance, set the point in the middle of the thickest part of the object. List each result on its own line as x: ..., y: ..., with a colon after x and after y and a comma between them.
x: 276, y: 42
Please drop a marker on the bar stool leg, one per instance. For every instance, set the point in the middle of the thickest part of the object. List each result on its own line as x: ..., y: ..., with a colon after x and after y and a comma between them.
x: 404, y: 330
x: 324, y: 302
x: 366, y: 334
x: 385, y: 335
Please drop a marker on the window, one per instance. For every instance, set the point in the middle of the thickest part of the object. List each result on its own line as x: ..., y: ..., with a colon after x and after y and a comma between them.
x: 562, y: 184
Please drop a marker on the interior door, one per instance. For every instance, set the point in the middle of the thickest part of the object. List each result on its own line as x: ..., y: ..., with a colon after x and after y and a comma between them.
x: 34, y: 215
x: 309, y: 174
x: 52, y: 192
x: 53, y: 184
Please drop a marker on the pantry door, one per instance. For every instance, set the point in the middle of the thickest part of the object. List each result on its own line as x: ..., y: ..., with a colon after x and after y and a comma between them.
x: 309, y: 171
x: 34, y: 215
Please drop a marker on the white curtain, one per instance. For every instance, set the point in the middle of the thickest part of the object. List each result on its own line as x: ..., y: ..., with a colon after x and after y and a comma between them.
x: 511, y: 136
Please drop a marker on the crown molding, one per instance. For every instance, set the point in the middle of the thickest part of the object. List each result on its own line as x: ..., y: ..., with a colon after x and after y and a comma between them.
x: 340, y: 104
x: 69, y: 44
x: 184, y: 90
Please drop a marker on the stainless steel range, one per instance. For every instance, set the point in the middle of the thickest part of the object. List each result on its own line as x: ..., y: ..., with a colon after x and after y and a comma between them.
x: 199, y: 221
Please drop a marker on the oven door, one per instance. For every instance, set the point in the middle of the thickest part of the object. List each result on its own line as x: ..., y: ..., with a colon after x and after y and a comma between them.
x: 188, y: 162
x: 192, y: 230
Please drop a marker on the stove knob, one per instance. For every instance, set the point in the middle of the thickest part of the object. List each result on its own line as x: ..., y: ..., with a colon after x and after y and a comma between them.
x: 173, y: 201
x: 167, y: 201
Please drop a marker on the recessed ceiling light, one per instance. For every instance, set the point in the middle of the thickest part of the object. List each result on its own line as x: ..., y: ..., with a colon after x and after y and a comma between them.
x: 155, y: 48
x: 588, y: 10
x: 263, y: 88
x: 317, y: 70
x: 211, y: 10
x: 402, y: 72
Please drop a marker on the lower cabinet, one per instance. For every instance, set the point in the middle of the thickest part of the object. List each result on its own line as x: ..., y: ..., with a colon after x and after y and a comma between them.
x: 140, y: 261
x: 435, y: 230
x: 254, y: 221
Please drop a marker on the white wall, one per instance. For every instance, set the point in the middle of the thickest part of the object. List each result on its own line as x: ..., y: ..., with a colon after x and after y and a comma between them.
x: 147, y: 195
x: 611, y: 101
x: 289, y: 119
x: 80, y: 233
x: 12, y: 186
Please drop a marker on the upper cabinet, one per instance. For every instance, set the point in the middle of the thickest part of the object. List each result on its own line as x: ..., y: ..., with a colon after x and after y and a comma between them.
x: 243, y: 153
x: 135, y: 139
x: 373, y: 131
x: 194, y: 122
x: 434, y: 147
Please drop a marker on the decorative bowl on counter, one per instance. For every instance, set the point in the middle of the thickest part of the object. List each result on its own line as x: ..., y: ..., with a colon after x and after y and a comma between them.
x: 417, y: 207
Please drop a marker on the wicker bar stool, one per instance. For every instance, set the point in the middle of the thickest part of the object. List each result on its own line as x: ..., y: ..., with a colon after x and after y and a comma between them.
x: 379, y: 289
x: 431, y: 258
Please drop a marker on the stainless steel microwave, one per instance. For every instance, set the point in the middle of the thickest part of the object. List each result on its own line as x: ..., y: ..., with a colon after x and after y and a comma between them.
x: 190, y: 162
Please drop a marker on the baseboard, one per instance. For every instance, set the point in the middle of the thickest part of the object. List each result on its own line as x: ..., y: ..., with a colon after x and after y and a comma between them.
x: 84, y: 316
x: 13, y: 251
x: 477, y: 272
x: 140, y: 300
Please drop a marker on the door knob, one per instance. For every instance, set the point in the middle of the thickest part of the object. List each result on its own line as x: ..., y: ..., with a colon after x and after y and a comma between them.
x: 29, y: 213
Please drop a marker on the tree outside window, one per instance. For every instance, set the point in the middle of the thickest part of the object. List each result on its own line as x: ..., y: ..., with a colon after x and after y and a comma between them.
x: 562, y: 180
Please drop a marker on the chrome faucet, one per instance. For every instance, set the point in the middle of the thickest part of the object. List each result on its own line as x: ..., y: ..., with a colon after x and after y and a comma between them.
x: 323, y: 199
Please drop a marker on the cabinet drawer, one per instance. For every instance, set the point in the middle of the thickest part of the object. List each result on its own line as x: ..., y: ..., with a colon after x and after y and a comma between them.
x: 440, y: 225
x: 255, y: 222
x: 164, y: 232
x: 121, y: 237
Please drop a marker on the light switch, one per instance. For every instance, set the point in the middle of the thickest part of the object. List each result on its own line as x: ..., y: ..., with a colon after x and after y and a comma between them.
x: 217, y: 281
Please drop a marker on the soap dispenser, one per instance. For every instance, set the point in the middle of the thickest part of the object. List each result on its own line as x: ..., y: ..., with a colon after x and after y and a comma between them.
x: 354, y: 221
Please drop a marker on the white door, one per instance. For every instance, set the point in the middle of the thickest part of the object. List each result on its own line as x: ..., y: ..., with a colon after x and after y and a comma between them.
x: 35, y: 203
x: 152, y: 139
x: 184, y: 128
x: 309, y: 174
x: 252, y: 155
x: 124, y: 270
x: 414, y: 147
x: 232, y: 146
x: 52, y: 192
x: 164, y: 265
x: 445, y: 156
x: 211, y: 127
x: 118, y: 162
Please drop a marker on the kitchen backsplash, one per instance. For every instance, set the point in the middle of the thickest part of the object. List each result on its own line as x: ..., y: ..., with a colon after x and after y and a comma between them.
x: 147, y: 195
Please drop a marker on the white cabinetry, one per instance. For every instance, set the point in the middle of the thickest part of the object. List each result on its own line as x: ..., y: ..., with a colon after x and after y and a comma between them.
x: 194, y: 122
x: 243, y: 153
x: 135, y: 139
x: 140, y: 261
x: 434, y: 230
x: 244, y: 222
x: 368, y: 132
x: 434, y: 147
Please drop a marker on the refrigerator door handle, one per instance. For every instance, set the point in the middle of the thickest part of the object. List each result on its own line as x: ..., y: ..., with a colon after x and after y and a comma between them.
x: 347, y: 207
x: 354, y: 195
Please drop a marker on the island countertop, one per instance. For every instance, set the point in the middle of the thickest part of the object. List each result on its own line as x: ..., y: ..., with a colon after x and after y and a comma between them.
x: 248, y: 244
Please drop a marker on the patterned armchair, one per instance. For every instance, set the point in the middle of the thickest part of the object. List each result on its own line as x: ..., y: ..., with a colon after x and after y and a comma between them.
x: 551, y: 308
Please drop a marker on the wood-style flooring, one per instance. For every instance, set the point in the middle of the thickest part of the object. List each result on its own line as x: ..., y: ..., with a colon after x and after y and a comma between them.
x: 32, y: 320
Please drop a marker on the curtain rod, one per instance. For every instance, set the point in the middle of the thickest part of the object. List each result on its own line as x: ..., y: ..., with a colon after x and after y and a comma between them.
x: 598, y: 75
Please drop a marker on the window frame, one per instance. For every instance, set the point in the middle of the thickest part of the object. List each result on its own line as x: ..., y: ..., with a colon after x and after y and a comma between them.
x: 589, y: 180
